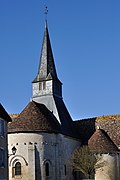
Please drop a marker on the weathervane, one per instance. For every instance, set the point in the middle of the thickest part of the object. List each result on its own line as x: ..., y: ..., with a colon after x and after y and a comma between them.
x: 46, y: 12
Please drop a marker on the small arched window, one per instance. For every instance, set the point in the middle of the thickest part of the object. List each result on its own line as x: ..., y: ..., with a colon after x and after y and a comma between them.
x: 18, y: 169
x: 47, y: 169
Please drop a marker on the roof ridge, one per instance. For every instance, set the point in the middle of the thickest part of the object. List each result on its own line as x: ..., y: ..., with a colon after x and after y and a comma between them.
x: 99, y: 117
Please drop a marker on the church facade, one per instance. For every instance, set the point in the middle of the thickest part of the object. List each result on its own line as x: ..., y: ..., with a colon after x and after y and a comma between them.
x: 45, y: 135
x: 43, y: 132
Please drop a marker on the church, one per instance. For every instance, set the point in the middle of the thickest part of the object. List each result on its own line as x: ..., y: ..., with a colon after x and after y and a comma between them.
x: 46, y: 136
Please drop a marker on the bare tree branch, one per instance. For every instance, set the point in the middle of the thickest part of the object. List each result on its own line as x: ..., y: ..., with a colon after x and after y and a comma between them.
x: 86, y: 161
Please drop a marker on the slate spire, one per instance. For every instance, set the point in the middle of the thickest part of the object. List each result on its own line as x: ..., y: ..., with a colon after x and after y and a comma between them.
x: 46, y: 67
x: 47, y: 88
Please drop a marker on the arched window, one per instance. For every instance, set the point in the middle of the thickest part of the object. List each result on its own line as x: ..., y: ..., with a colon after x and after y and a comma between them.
x: 17, y: 169
x: 47, y: 169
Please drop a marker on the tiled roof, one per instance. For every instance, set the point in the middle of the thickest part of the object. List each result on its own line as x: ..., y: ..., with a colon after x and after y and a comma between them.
x: 109, y: 117
x: 13, y: 116
x: 101, y: 142
x: 67, y: 125
x: 110, y: 124
x: 85, y: 128
x: 3, y: 114
x: 35, y: 117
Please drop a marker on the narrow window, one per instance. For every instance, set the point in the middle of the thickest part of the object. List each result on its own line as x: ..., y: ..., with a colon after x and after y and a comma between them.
x: 40, y: 86
x: 2, y: 157
x: 44, y: 85
x: 47, y: 170
x: 2, y: 127
x: 65, y: 169
x: 17, y: 169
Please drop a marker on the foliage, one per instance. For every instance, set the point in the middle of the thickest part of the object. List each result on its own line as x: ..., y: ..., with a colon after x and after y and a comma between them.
x: 86, y: 161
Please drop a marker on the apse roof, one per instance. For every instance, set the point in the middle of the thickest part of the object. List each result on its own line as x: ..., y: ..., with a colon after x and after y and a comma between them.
x: 101, y: 142
x: 34, y: 118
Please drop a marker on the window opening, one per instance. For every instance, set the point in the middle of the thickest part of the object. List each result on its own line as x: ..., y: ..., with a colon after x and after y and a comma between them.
x: 1, y: 127
x: 65, y: 169
x: 44, y: 85
x: 40, y: 86
x: 2, y: 157
x: 47, y: 170
x: 17, y: 169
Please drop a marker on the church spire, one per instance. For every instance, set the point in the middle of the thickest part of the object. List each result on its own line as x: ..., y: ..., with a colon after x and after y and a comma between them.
x: 47, y: 67
x: 47, y: 88
x: 46, y: 81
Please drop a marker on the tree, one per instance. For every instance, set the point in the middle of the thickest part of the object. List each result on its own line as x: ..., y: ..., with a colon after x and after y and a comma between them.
x: 86, y: 161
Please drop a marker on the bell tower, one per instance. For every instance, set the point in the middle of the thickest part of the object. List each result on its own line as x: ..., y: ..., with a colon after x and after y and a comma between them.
x: 46, y: 82
x: 47, y: 88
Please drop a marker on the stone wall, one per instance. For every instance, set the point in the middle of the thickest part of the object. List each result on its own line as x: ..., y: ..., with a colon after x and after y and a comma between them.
x: 109, y: 169
x: 34, y: 150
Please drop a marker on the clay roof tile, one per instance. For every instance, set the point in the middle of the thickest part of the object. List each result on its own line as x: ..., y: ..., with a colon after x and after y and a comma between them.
x: 101, y: 142
x: 35, y: 117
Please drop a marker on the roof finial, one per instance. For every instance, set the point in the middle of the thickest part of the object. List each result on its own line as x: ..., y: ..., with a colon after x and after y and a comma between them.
x: 46, y: 13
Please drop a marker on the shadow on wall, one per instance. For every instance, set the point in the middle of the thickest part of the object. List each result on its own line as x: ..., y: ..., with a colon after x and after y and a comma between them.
x: 37, y: 165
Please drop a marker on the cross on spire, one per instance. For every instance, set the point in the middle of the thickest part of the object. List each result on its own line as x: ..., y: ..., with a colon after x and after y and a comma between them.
x: 46, y: 12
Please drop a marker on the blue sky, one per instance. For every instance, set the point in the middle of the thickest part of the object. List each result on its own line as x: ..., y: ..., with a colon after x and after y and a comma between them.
x: 85, y: 38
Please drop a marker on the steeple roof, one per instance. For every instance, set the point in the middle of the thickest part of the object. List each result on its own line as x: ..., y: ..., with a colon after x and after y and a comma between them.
x: 47, y: 68
x: 100, y: 142
x: 47, y: 88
